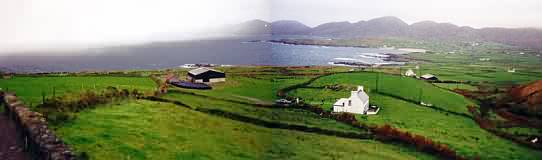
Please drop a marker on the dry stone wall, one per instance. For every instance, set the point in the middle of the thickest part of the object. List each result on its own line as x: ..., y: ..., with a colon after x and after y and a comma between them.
x: 32, y: 127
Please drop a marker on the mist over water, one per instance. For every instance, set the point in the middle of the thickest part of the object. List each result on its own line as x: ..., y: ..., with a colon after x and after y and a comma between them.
x: 230, y: 51
x: 149, y: 56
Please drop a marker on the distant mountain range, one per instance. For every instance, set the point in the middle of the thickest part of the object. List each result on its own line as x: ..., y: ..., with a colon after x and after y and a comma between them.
x: 394, y: 27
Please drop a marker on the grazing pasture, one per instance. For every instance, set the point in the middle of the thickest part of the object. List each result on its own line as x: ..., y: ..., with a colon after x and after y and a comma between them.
x: 456, y: 130
x: 31, y: 89
x: 150, y: 130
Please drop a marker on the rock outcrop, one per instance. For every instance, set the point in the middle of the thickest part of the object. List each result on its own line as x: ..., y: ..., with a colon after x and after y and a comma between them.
x: 529, y: 94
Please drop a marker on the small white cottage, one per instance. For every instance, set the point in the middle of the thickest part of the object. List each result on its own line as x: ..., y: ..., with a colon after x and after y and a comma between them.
x: 358, y: 103
x: 410, y: 73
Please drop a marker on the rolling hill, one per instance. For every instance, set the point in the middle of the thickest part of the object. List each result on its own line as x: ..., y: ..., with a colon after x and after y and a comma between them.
x: 394, y: 27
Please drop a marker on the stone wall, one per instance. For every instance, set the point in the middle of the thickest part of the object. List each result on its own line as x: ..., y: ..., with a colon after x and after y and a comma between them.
x: 39, y: 141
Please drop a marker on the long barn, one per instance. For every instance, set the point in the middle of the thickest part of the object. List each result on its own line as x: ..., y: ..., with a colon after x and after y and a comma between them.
x: 206, y: 75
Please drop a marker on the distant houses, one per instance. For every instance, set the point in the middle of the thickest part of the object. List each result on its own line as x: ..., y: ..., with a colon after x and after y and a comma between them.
x: 5, y: 75
x: 410, y: 73
x: 484, y: 59
x: 413, y: 50
x: 357, y: 103
x: 429, y: 77
x: 199, y: 65
x: 206, y: 75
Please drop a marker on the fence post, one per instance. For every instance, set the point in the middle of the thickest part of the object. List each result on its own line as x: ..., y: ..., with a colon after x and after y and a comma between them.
x: 377, y: 79
x: 420, y: 94
x: 457, y: 86
x: 42, y: 97
x: 26, y: 143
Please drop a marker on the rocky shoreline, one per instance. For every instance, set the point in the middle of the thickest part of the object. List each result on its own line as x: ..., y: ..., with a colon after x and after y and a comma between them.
x: 312, y: 42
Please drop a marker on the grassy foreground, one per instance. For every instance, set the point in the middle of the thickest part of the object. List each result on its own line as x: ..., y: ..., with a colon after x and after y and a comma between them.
x: 149, y: 130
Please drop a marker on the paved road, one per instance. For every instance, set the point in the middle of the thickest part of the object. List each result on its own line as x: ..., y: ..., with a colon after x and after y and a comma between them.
x: 9, y: 147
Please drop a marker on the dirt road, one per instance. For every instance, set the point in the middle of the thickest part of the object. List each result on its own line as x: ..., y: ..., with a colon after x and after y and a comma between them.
x: 10, y: 149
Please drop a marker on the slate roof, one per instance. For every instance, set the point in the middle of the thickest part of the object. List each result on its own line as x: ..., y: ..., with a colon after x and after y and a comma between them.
x: 427, y: 76
x: 202, y: 70
x: 363, y: 96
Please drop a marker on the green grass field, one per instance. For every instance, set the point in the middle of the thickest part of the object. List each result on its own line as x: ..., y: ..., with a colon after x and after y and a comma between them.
x: 461, y: 133
x: 249, y: 89
x: 468, y: 67
x: 289, y: 116
x: 408, y: 88
x: 452, y: 86
x: 98, y: 134
x: 140, y: 129
x: 30, y: 89
x: 150, y: 130
x: 522, y: 131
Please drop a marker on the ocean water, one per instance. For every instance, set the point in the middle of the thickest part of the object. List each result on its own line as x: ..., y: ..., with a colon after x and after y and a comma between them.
x: 230, y: 51
x: 291, y: 55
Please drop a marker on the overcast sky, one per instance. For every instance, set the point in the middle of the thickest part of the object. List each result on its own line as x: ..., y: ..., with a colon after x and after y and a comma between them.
x: 475, y: 13
x: 26, y: 24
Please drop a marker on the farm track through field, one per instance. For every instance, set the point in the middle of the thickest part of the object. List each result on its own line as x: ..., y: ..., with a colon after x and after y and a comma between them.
x: 263, y: 105
x: 10, y: 148
x: 267, y: 124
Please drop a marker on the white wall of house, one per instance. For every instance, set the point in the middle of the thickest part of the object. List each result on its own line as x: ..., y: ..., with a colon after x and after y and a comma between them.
x: 214, y: 80
x: 410, y: 73
x: 353, y: 104
x: 340, y: 105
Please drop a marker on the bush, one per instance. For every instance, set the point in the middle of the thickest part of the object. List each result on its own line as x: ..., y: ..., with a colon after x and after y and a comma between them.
x: 60, y: 117
x: 83, y: 156
x: 388, y: 133
x: 60, y: 109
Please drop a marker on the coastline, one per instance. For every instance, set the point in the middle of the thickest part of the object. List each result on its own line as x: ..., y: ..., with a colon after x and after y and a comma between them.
x: 309, y: 42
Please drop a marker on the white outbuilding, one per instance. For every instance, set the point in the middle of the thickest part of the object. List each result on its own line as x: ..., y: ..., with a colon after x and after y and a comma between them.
x: 358, y: 103
x: 410, y: 73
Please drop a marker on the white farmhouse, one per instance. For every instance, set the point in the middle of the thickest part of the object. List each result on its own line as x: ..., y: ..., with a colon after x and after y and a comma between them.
x: 410, y: 73
x: 511, y: 70
x: 358, y: 103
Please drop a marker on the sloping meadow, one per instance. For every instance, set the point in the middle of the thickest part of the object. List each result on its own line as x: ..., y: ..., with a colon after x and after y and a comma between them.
x: 398, y: 98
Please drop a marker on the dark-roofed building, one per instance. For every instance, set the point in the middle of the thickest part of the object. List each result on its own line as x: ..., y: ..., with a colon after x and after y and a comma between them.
x: 206, y: 75
x: 429, y: 77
